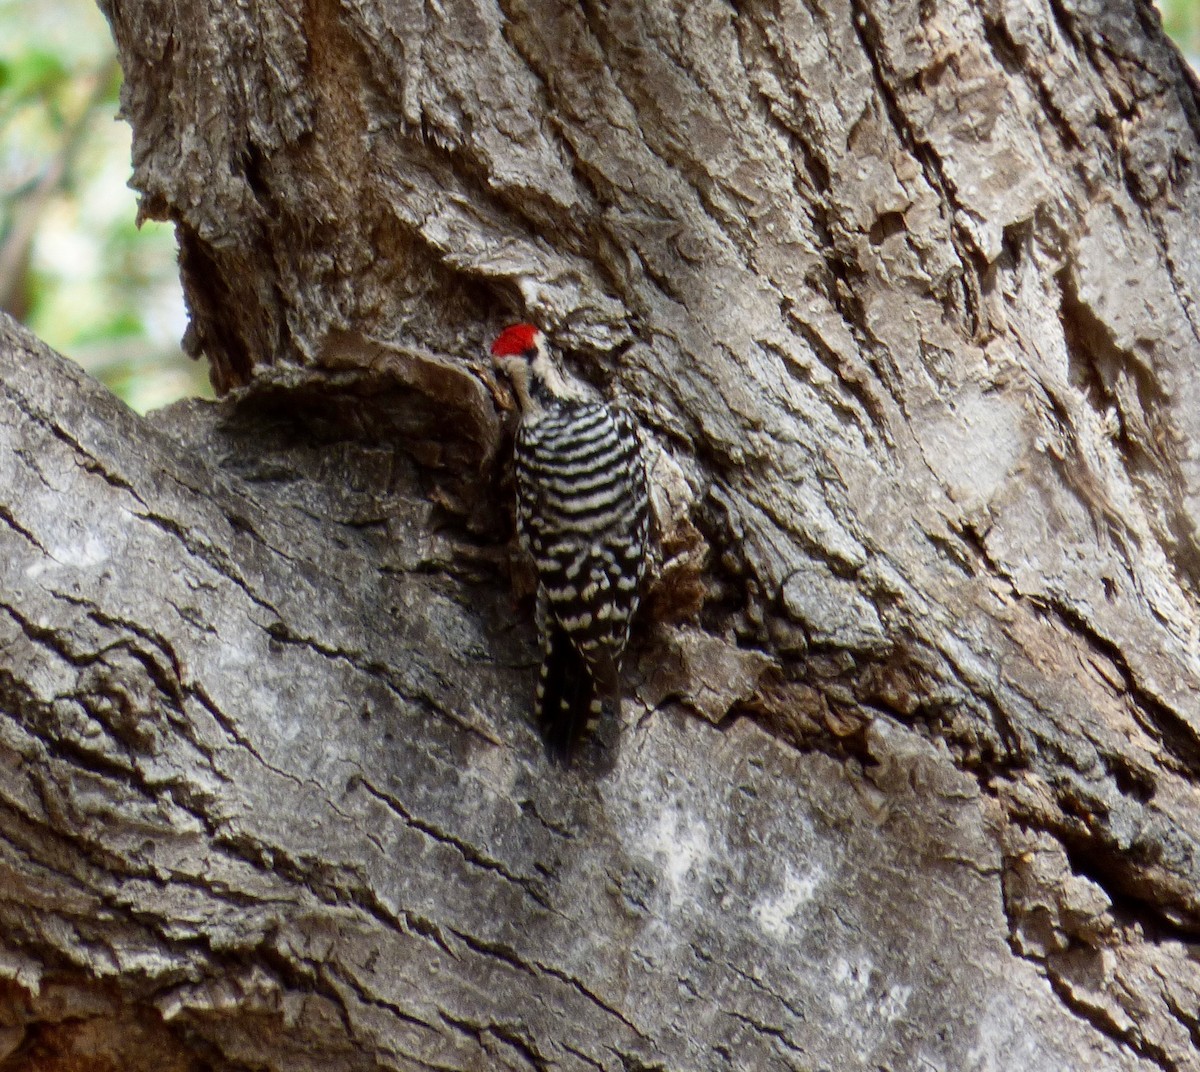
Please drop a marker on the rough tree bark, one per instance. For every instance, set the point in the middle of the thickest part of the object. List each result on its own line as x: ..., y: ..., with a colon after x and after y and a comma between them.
x: 904, y: 295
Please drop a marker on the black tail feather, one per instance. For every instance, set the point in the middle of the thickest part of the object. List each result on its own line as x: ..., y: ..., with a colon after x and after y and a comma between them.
x: 566, y: 700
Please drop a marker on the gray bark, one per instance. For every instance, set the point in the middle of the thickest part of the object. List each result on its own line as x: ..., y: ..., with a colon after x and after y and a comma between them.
x: 905, y: 299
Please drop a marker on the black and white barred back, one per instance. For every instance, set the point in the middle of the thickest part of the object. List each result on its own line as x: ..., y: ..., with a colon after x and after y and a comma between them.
x: 582, y: 514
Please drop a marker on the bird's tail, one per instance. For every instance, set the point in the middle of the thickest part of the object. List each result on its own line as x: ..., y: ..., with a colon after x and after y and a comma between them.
x: 568, y: 703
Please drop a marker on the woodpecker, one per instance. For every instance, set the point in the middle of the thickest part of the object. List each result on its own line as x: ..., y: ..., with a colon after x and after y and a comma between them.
x: 582, y: 515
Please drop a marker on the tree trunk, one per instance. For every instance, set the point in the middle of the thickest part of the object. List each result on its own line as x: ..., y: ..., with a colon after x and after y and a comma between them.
x: 905, y: 298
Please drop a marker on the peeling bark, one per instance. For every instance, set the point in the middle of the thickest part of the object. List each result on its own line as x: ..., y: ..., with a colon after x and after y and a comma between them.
x: 905, y: 299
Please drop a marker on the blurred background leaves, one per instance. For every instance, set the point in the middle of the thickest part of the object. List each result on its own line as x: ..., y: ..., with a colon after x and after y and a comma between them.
x: 73, y: 265
x: 1181, y: 19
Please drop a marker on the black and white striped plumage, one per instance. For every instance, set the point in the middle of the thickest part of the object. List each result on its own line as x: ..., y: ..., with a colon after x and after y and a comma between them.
x: 582, y: 515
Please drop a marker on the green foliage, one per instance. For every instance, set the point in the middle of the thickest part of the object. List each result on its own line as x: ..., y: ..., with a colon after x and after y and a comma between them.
x: 1181, y: 18
x: 35, y: 75
x: 73, y: 265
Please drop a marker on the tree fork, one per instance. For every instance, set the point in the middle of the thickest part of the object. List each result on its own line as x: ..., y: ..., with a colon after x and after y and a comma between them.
x: 906, y: 295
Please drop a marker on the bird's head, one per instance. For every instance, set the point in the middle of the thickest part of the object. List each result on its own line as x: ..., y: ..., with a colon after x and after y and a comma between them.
x: 521, y: 353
